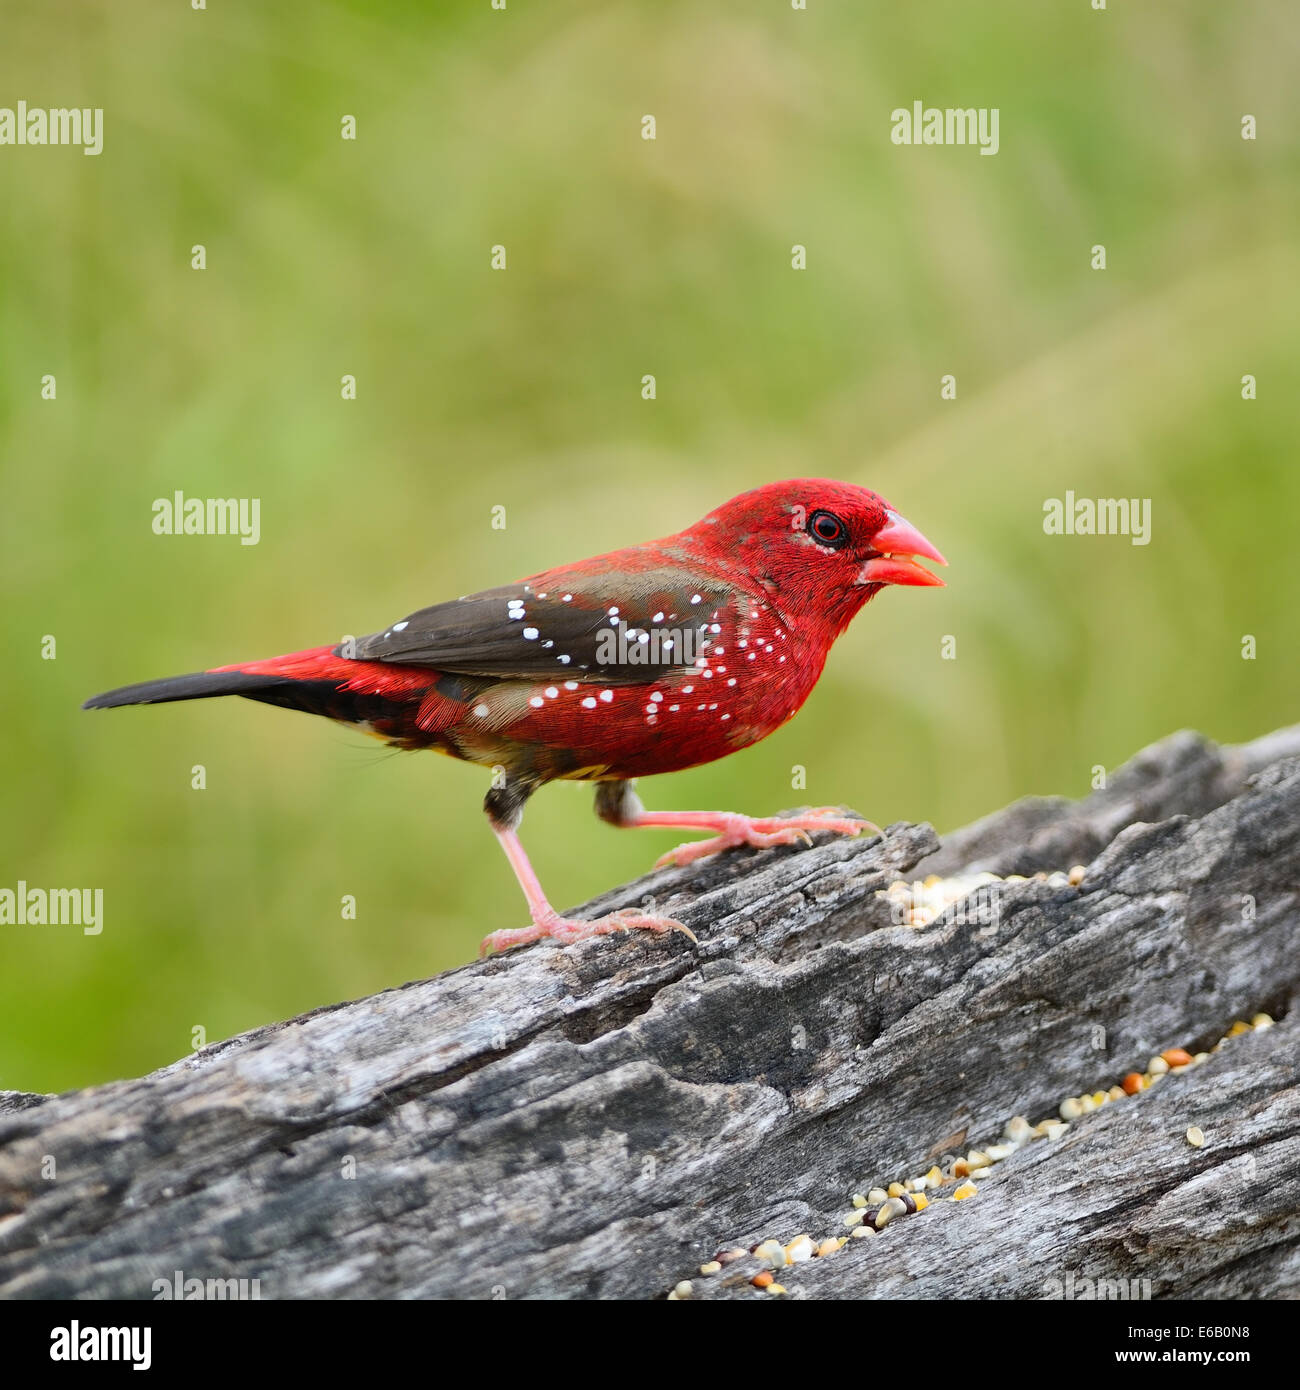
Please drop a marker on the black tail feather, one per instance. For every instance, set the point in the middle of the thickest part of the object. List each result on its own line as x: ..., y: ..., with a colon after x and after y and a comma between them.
x: 198, y: 686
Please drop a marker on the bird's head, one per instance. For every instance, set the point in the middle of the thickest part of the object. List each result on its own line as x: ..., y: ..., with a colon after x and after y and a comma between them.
x: 819, y: 547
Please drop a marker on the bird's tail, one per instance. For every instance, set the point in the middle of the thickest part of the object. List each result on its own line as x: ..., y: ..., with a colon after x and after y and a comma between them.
x: 407, y: 700
x: 315, y: 680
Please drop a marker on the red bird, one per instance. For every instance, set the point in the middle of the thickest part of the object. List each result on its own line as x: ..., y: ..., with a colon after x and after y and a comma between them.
x: 650, y: 659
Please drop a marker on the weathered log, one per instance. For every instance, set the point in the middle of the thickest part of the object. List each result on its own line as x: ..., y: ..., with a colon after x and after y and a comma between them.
x: 598, y: 1120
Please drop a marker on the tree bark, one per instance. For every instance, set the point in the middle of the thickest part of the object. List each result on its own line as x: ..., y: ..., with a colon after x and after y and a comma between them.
x: 597, y: 1121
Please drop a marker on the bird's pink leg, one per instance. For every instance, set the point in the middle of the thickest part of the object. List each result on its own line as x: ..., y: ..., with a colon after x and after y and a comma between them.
x: 548, y: 922
x: 732, y: 830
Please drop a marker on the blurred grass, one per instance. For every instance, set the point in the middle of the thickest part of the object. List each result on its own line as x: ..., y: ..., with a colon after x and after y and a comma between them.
x: 523, y: 389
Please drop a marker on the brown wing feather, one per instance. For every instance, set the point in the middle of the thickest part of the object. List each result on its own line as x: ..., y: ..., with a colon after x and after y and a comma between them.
x: 541, y: 629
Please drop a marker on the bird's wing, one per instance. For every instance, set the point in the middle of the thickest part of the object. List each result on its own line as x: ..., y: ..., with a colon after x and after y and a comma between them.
x: 619, y: 628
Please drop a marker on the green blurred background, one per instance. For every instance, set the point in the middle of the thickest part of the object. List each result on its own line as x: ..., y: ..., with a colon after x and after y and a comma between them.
x: 479, y: 388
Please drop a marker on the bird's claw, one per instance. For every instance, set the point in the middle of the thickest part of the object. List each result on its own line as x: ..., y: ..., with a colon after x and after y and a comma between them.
x: 567, y: 930
x: 764, y: 832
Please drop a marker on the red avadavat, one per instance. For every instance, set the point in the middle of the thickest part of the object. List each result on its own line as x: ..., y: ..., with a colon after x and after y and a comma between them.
x: 650, y: 659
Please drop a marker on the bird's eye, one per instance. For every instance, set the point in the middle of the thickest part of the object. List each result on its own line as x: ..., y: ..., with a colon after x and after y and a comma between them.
x: 828, y: 530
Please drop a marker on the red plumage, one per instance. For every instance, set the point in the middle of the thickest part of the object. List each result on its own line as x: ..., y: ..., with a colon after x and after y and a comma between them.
x: 649, y: 659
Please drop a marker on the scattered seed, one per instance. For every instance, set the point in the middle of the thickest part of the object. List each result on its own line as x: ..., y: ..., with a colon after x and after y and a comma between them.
x: 799, y: 1250
x: 876, y: 1210
x: 685, y: 1289
x: 892, y: 1208
x: 1019, y: 1130
x: 1076, y: 874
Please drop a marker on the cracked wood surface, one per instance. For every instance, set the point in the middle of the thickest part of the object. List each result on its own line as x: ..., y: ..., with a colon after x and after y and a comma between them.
x: 597, y: 1120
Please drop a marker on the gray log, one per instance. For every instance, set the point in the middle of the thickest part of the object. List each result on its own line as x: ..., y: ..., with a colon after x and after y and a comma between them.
x: 596, y: 1121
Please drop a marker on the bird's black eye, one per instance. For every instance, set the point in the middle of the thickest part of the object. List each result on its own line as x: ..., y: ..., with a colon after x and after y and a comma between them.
x: 828, y: 530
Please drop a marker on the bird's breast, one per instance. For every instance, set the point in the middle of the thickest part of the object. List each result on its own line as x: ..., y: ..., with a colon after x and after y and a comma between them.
x: 749, y: 675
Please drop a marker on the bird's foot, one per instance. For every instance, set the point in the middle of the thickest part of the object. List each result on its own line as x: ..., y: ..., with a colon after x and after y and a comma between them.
x: 567, y: 930
x: 764, y: 832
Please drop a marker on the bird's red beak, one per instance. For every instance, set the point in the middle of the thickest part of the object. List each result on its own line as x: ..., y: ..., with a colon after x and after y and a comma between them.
x: 899, y: 544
